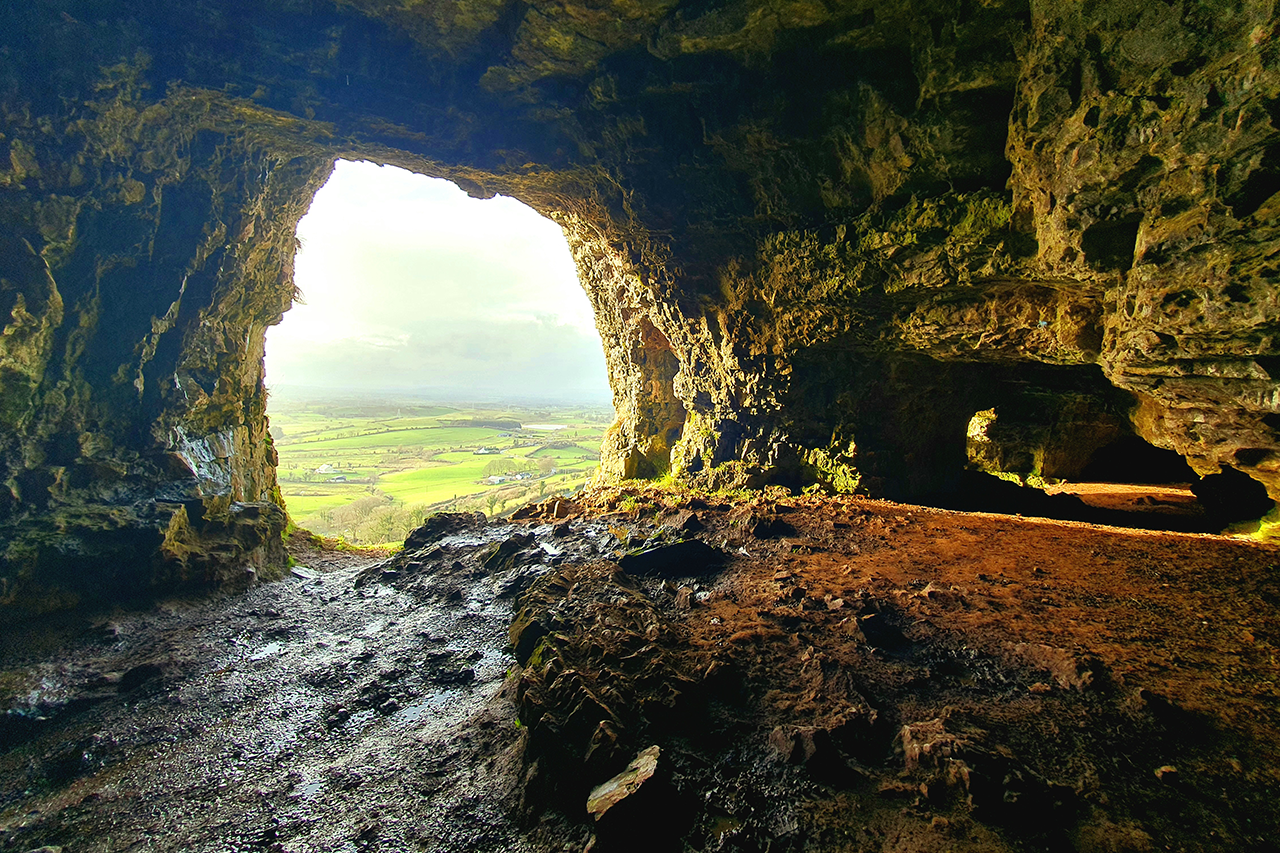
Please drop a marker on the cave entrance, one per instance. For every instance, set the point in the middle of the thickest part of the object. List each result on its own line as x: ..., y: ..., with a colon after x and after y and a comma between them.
x: 441, y: 356
x: 1078, y: 458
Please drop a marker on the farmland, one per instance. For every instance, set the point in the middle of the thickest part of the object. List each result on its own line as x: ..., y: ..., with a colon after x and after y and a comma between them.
x: 369, y: 468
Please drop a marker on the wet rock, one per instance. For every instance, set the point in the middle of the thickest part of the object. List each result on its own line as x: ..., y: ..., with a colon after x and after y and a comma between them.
x: 687, y: 558
x: 607, y: 795
x: 106, y: 632
x: 140, y: 675
x: 440, y: 525
x: 505, y: 554
x: 518, y: 580
x: 337, y: 717
x: 452, y: 677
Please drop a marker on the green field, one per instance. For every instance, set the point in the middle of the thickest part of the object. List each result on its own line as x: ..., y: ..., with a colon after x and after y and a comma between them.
x: 370, y: 469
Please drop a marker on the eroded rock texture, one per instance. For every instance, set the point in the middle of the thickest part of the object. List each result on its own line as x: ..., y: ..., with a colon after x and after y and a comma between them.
x: 819, y: 236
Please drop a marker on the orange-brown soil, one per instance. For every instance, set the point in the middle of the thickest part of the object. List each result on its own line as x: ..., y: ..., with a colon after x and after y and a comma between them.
x: 1159, y: 499
x: 863, y: 675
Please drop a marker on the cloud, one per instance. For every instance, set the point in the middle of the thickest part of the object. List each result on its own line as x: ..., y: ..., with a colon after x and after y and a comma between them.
x: 408, y: 282
x: 502, y: 358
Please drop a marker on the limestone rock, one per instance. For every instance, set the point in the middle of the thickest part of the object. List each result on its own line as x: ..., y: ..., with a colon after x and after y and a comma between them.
x: 818, y: 238
x: 608, y: 794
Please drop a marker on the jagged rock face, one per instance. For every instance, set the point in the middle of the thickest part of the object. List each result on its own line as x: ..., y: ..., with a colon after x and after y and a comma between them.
x: 818, y: 236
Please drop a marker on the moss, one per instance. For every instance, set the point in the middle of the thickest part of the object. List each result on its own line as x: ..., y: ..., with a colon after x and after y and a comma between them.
x: 542, y: 655
x: 833, y: 468
x: 274, y: 573
x: 1265, y: 529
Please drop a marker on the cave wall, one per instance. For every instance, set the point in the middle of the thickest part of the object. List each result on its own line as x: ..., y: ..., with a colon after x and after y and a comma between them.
x: 147, y: 244
x: 818, y: 236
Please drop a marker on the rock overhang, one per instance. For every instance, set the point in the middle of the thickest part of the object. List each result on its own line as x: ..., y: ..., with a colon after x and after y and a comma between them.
x: 817, y: 237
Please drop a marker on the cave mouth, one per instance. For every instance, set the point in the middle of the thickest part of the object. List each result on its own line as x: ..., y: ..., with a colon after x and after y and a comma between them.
x: 441, y: 355
x: 1097, y: 470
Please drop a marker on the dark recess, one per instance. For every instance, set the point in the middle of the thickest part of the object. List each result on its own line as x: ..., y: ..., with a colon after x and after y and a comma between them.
x: 1263, y: 182
x: 1132, y: 460
x: 1250, y: 456
x: 1232, y: 495
x: 1271, y: 364
x: 1110, y: 246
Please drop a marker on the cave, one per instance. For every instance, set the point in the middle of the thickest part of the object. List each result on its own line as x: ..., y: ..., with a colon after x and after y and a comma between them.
x: 817, y: 237
x: 796, y: 238
x: 1063, y: 445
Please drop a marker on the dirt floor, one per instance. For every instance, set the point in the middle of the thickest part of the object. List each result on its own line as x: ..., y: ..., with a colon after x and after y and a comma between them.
x: 871, y: 676
x: 1155, y: 500
x: 818, y: 674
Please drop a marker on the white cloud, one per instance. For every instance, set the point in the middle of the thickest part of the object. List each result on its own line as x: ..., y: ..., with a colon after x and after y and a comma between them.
x: 407, y: 281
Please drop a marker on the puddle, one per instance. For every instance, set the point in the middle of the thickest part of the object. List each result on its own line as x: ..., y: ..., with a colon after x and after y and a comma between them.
x: 435, y: 705
x: 308, y: 790
x: 269, y: 650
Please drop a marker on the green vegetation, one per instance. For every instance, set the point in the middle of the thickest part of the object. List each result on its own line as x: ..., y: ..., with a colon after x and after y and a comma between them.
x: 369, y: 470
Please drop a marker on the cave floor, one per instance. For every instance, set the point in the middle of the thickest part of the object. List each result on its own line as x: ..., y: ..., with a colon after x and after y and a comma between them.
x: 855, y: 675
x: 307, y: 714
x: 1163, y: 499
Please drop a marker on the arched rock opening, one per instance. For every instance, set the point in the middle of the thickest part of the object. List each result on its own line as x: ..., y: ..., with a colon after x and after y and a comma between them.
x: 841, y: 224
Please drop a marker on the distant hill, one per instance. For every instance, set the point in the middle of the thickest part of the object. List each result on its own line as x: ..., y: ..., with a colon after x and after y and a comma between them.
x: 490, y: 423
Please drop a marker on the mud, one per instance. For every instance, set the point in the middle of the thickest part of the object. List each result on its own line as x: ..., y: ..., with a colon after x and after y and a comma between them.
x: 818, y: 674
x: 307, y: 714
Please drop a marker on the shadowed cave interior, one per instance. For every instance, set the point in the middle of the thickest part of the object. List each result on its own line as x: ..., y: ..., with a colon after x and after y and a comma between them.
x: 851, y: 263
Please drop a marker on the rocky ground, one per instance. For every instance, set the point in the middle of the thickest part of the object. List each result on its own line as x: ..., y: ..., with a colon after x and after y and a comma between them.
x: 815, y: 673
x: 313, y: 713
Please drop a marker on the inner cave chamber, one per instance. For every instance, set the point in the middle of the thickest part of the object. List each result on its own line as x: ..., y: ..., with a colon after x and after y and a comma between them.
x: 814, y: 248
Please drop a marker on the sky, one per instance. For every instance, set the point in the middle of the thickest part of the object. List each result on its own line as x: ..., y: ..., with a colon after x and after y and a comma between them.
x: 408, y: 284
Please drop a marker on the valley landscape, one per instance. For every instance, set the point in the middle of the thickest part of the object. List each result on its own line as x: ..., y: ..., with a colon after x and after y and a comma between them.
x: 369, y: 467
